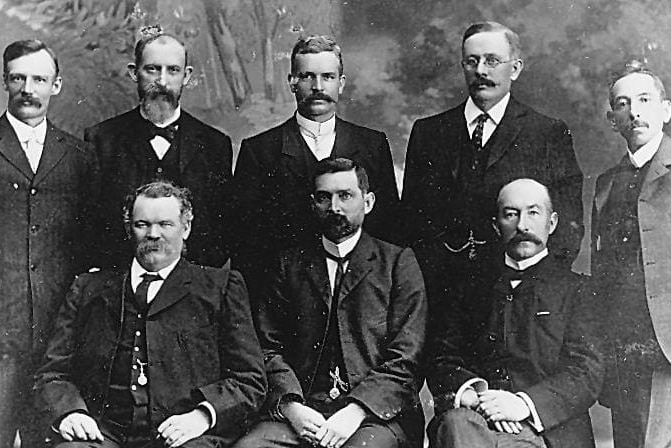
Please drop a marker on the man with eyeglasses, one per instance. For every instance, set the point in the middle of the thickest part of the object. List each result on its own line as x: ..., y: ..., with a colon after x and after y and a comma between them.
x: 274, y: 170
x: 458, y: 160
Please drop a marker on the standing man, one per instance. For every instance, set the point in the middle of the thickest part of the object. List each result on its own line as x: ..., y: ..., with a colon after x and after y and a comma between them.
x: 458, y: 160
x: 49, y: 187
x: 158, y: 140
x: 516, y: 363
x: 161, y: 353
x: 632, y: 261
x: 274, y: 171
x: 342, y: 327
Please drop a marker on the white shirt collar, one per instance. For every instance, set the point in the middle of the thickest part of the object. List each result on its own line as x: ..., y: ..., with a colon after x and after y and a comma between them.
x: 26, y: 132
x: 316, y: 129
x: 472, y: 112
x: 136, y: 272
x: 646, y: 152
x: 175, y: 116
x: 342, y: 249
x: 527, y: 262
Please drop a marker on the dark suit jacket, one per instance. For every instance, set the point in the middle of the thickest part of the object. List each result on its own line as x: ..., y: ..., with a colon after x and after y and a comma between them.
x: 653, y: 209
x: 524, y: 144
x: 381, y: 321
x: 205, y: 169
x: 273, y: 185
x: 544, y: 347
x: 201, y: 344
x: 44, y: 233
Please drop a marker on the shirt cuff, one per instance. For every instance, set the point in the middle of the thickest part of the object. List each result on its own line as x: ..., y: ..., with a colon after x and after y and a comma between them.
x: 535, y: 420
x: 477, y: 384
x: 212, y: 412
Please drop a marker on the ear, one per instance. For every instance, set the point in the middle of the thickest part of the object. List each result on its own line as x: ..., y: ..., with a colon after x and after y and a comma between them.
x: 188, y: 71
x: 666, y: 105
x: 132, y: 71
x: 517, y: 67
x: 495, y: 226
x: 57, y: 85
x: 292, y: 81
x: 554, y: 220
x: 187, y: 230
x: 368, y: 202
x: 341, y: 84
x: 611, y: 117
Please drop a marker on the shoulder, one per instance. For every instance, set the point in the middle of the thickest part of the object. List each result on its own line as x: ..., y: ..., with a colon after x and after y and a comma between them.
x: 440, y: 119
x: 536, y: 118
x: 202, y: 129
x: 268, y: 136
x: 208, y: 276
x: 76, y: 144
x: 360, y: 131
x: 115, y: 123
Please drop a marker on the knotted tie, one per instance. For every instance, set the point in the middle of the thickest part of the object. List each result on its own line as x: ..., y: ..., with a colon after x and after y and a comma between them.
x: 143, y: 288
x: 33, y: 149
x: 340, y: 273
x: 477, y: 140
x: 169, y: 132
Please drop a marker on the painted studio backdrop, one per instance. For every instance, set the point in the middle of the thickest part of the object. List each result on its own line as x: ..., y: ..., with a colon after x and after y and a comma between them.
x: 402, y: 58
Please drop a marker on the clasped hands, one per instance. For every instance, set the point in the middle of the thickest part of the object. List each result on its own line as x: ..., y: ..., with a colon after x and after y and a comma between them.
x: 311, y: 425
x: 175, y: 430
x: 503, y: 409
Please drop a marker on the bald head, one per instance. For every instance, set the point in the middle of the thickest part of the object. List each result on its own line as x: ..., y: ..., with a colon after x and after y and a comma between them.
x: 525, y: 217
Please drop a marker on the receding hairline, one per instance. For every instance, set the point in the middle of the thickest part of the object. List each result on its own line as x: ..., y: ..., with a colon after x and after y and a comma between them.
x: 511, y: 37
x: 528, y: 183
x: 656, y: 81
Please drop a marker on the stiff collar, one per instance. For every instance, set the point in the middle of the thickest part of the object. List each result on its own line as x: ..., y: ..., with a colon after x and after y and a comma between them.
x: 137, y: 271
x: 316, y: 129
x: 645, y: 153
x: 342, y: 249
x: 472, y: 112
x: 169, y: 121
x: 525, y: 264
x: 26, y: 132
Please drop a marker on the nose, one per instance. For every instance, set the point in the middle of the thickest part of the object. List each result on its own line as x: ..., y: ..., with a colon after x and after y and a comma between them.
x: 162, y: 76
x: 522, y: 223
x: 634, y: 110
x: 317, y: 84
x: 153, y: 232
x: 481, y: 68
x: 28, y: 86
x: 335, y: 204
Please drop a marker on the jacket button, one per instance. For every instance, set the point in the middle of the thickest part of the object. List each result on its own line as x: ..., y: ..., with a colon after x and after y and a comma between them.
x: 33, y: 191
x: 159, y: 170
x: 34, y: 228
x: 15, y: 186
x: 33, y: 267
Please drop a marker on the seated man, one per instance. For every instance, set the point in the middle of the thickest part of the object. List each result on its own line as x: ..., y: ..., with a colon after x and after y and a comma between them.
x: 514, y: 364
x: 342, y: 328
x: 162, y: 353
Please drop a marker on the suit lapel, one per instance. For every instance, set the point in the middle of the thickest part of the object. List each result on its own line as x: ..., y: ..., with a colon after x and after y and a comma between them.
x: 293, y: 147
x: 10, y: 149
x: 53, y: 152
x: 189, y: 142
x: 505, y: 133
x: 175, y: 287
x: 360, y: 265
x: 658, y: 168
x: 345, y: 143
x: 134, y: 140
x: 318, y: 276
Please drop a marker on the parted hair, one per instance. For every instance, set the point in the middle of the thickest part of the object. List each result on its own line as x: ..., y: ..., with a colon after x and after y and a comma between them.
x: 485, y: 27
x: 21, y: 48
x: 339, y: 165
x: 314, y: 44
x: 160, y: 189
x: 631, y: 68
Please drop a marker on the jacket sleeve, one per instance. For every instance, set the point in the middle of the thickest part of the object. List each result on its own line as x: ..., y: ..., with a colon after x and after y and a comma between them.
x: 383, y: 221
x: 273, y: 317
x: 575, y: 385
x: 55, y: 392
x: 240, y: 393
x: 391, y: 386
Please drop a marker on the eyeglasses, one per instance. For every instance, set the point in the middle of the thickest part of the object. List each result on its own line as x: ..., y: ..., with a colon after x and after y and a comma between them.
x: 490, y: 62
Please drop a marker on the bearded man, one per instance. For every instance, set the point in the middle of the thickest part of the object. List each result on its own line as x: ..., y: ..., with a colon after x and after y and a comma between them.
x: 159, y: 141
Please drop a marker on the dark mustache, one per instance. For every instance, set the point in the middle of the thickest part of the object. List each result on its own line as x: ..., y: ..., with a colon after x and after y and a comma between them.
x: 153, y: 91
x: 146, y: 246
x: 521, y: 237
x: 638, y: 123
x: 483, y: 82
x: 319, y: 96
x: 33, y: 101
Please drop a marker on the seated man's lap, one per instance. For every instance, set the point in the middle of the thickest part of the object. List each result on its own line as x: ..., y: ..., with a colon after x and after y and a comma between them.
x: 465, y: 427
x: 371, y: 434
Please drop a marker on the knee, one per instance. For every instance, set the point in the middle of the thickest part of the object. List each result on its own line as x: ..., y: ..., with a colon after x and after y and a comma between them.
x: 453, y: 419
x: 452, y: 425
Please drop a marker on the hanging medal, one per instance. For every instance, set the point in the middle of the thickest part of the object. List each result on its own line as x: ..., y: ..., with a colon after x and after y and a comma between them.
x: 338, y: 384
x: 142, y: 379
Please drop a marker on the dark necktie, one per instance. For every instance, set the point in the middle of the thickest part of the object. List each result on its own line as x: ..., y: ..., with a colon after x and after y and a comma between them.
x: 169, y: 132
x: 477, y: 141
x: 340, y: 272
x: 143, y: 288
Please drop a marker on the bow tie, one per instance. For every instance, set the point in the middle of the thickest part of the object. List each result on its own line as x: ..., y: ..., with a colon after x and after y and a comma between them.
x: 510, y: 274
x: 169, y: 132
